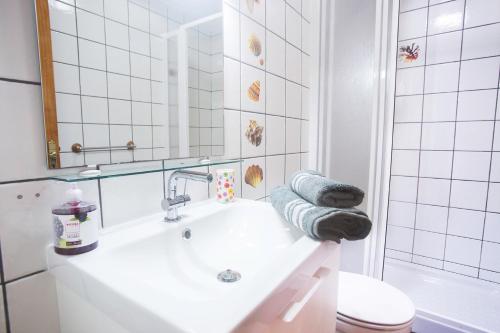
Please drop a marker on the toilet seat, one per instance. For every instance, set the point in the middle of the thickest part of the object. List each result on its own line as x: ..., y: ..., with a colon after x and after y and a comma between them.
x: 369, y: 305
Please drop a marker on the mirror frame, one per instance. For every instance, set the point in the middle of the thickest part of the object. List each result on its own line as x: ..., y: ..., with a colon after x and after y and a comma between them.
x: 47, y: 84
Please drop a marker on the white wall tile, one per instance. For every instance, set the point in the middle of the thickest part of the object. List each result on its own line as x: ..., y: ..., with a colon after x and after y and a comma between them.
x: 293, y: 63
x: 405, y: 162
x: 405, y: 5
x: 3, y: 327
x: 410, y: 81
x: 139, y: 41
x: 143, y: 136
x: 463, y: 250
x: 293, y: 100
x: 477, y: 105
x: 94, y: 6
x: 138, y: 17
x: 438, y: 136
x: 141, y: 113
x: 408, y: 108
x: 231, y: 35
x: 118, y: 61
x: 479, y: 12
x: 489, y: 256
x: 128, y: 198
x: 116, y: 10
x: 275, y: 135
x: 489, y: 276
x: 140, y: 66
x: 431, y: 218
x: 436, y: 164
x: 62, y: 17
x: 476, y: 135
x: 68, y: 108
x: 292, y: 165
x: 94, y: 110
x: 494, y: 198
x: 231, y: 83
x: 481, y: 42
x: 445, y: 17
x: 292, y: 135
x: 479, y: 74
x: 92, y: 55
x: 275, y: 17
x: 93, y: 82
x: 293, y: 27
x: 412, y: 24
x: 433, y: 191
x: 275, y: 97
x: 117, y: 34
x: 399, y: 238
x: 19, y: 56
x: 275, y: 172
x: 33, y: 304
x: 426, y: 261
x: 429, y: 244
x: 275, y: 54
x: 466, y: 223
x: 66, y: 78
x: 96, y: 135
x: 68, y: 135
x: 306, y: 103
x: 495, y: 167
x: 90, y: 26
x: 469, y: 195
x: 403, y: 189
x: 401, y: 214
x: 444, y: 47
x: 119, y: 86
x: 64, y: 48
x: 140, y: 90
x: 406, y: 136
x: 440, y: 107
x: 441, y: 78
x: 492, y: 227
x: 471, y: 165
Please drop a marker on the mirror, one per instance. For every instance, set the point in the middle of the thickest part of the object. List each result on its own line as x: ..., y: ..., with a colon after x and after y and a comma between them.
x: 131, y: 80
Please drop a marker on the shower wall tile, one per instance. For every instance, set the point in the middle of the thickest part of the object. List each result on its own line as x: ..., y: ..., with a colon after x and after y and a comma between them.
x: 445, y: 170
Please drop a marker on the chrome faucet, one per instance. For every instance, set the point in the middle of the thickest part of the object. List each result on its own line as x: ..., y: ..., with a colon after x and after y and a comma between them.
x: 173, y: 200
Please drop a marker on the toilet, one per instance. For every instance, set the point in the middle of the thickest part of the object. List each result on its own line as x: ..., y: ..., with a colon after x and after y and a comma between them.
x: 367, y: 305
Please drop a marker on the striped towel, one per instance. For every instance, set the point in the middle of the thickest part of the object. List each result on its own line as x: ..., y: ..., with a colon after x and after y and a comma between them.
x: 322, y: 191
x: 320, y: 223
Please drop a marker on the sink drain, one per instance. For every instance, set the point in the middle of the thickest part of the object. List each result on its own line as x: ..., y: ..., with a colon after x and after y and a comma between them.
x: 229, y: 276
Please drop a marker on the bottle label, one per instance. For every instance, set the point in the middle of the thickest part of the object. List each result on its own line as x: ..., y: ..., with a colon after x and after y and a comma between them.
x: 73, y: 231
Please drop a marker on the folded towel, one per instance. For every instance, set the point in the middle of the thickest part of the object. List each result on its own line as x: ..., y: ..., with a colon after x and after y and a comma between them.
x: 321, y: 191
x: 321, y: 223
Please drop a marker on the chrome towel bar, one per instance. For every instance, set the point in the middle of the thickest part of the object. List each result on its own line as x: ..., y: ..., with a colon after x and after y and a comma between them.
x: 78, y: 148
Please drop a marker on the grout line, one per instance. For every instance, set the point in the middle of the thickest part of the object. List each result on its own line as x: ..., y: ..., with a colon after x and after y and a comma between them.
x: 79, y: 82
x: 5, y: 79
x: 446, y: 32
x: 25, y: 276
x: 4, y: 292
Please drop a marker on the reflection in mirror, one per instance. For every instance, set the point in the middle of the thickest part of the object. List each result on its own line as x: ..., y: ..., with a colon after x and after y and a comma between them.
x: 127, y: 81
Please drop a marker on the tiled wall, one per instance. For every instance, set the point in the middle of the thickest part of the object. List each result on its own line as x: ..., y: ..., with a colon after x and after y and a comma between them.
x: 27, y: 289
x: 267, y: 83
x: 109, y: 77
x: 206, y: 90
x: 444, y: 208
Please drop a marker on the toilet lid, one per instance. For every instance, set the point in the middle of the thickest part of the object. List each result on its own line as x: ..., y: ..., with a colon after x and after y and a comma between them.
x: 373, y: 301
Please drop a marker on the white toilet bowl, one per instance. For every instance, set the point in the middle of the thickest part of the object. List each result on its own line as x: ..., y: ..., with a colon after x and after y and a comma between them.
x: 367, y: 305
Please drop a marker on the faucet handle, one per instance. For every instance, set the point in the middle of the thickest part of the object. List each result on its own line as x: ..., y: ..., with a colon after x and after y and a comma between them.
x: 173, y: 202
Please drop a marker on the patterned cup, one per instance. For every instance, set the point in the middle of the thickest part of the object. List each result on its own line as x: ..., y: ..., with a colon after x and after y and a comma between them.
x: 225, y: 185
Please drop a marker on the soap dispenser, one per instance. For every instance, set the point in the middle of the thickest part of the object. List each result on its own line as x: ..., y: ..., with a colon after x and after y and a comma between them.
x: 76, y: 226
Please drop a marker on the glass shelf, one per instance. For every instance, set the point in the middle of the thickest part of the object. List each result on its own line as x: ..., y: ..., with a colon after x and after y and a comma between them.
x: 112, y: 171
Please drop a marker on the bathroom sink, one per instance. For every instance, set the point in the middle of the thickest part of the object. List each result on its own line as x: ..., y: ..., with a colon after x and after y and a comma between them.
x: 151, y: 276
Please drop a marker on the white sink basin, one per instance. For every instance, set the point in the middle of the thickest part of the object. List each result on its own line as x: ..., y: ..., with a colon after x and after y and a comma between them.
x: 147, y: 278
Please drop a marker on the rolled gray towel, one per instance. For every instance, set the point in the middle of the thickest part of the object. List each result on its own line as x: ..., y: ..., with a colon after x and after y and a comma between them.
x: 321, y: 191
x: 320, y: 223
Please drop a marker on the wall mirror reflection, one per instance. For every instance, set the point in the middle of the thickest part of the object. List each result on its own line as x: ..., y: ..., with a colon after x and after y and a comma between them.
x: 131, y: 80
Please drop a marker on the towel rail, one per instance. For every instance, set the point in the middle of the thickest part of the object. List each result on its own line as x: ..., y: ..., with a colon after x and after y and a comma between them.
x: 78, y: 148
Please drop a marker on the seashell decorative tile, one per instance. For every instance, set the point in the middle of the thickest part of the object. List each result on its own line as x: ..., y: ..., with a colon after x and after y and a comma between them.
x: 254, y: 91
x: 254, y: 175
x: 254, y: 133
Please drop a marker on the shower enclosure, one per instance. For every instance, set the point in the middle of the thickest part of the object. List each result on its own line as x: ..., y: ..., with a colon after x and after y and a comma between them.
x: 442, y: 239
